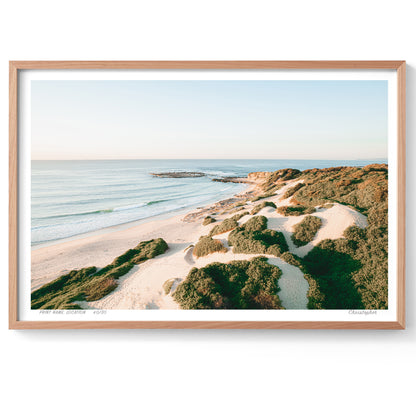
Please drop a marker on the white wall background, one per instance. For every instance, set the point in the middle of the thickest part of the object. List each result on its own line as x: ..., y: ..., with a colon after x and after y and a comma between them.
x: 208, y: 372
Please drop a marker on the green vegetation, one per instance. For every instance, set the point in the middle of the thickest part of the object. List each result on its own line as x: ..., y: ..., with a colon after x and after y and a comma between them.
x: 277, y: 179
x: 292, y: 259
x: 263, y: 196
x: 361, y: 188
x: 291, y: 191
x: 259, y: 207
x: 238, y: 217
x: 208, y: 220
x: 206, y: 245
x: 296, y: 210
x: 350, y: 272
x: 331, y: 269
x: 237, y: 285
x: 233, y: 211
x: 89, y: 284
x: 305, y: 231
x: 167, y: 286
x: 227, y: 225
x: 254, y: 237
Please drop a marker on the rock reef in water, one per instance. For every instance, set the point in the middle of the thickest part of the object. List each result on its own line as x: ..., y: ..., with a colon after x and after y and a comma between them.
x: 179, y: 174
x: 234, y: 179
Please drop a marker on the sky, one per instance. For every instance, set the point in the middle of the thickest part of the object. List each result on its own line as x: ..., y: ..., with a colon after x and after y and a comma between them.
x: 209, y: 119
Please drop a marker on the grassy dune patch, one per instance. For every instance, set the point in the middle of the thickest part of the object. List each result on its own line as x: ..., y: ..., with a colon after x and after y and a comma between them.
x: 263, y: 196
x: 207, y: 245
x: 227, y: 225
x: 291, y: 191
x: 278, y: 178
x: 295, y: 210
x: 254, y: 237
x: 237, y: 285
x: 167, y: 286
x: 238, y: 217
x: 88, y: 284
x: 305, y: 231
x: 259, y: 207
x: 350, y: 272
x: 208, y: 220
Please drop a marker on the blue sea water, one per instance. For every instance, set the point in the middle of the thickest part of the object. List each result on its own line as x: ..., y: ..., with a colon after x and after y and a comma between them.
x: 74, y: 197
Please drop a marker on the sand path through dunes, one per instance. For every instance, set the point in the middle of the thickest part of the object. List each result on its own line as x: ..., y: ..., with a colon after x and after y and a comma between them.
x: 293, y: 285
x: 335, y: 221
x: 142, y: 287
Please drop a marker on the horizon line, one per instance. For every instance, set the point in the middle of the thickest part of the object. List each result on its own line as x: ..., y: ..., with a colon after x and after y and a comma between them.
x: 73, y: 160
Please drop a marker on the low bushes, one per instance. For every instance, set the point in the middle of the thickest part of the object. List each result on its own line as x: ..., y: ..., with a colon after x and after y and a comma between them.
x: 167, y: 286
x: 259, y: 207
x: 254, y: 237
x: 237, y: 285
x: 238, y: 217
x: 295, y: 210
x: 206, y: 245
x: 291, y: 191
x: 305, y: 231
x: 89, y: 284
x: 208, y: 220
x: 227, y: 225
x: 292, y: 259
x: 266, y: 195
x: 277, y: 178
x: 330, y: 269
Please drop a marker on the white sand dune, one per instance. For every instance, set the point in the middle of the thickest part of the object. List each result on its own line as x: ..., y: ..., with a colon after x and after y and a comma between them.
x: 293, y: 285
x: 142, y: 287
x: 335, y: 221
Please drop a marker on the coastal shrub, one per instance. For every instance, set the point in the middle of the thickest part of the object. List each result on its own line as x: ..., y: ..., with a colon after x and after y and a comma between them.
x: 227, y: 225
x: 90, y: 284
x: 292, y: 259
x: 206, y: 245
x: 254, y: 237
x: 236, y: 285
x: 291, y: 191
x: 259, y: 207
x: 366, y: 190
x: 332, y: 269
x: 263, y: 196
x: 257, y: 223
x: 295, y: 210
x: 316, y: 298
x: 361, y: 188
x: 236, y: 210
x: 363, y: 284
x: 349, y: 273
x: 305, y: 231
x: 238, y: 217
x: 277, y: 178
x: 62, y: 285
x: 167, y: 286
x: 208, y: 220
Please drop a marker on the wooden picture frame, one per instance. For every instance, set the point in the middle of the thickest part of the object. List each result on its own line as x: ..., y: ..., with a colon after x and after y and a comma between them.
x: 17, y: 66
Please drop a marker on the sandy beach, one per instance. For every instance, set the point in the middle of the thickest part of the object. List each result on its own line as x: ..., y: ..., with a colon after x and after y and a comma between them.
x: 142, y: 287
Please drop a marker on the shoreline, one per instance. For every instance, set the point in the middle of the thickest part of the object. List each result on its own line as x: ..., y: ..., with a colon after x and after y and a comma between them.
x: 50, y: 260
x: 144, y: 287
x: 166, y: 215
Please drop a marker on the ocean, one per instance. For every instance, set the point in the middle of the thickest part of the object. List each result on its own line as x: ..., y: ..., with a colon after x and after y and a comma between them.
x: 71, y: 197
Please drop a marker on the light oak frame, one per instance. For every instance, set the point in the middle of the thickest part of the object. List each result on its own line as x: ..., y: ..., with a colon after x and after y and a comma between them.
x: 16, y: 66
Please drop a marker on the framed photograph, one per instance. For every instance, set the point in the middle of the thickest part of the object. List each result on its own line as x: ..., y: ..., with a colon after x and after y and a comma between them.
x: 207, y: 194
